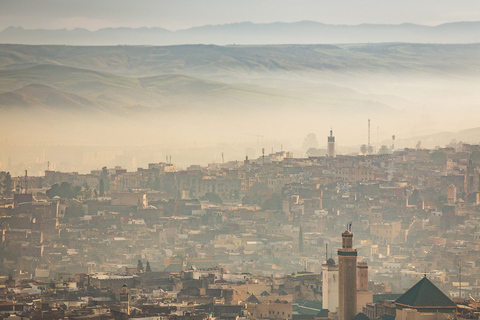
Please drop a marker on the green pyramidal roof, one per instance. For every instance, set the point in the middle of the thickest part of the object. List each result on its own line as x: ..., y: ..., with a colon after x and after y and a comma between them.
x: 361, y: 316
x: 425, y: 294
x: 253, y: 299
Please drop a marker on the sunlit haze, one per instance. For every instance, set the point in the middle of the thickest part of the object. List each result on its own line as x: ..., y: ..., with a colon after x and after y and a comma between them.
x: 239, y: 160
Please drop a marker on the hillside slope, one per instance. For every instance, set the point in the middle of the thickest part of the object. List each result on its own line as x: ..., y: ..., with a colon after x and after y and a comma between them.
x: 237, y: 62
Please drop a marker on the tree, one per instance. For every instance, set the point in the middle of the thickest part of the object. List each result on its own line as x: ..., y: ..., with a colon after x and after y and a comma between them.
x: 77, y: 190
x: 87, y: 192
x: 102, y: 188
x: 236, y: 194
x: 300, y: 240
x: 363, y: 149
x: 104, y: 181
x: 147, y: 268
x: 139, y: 266
x: 273, y: 203
x: 7, y: 185
x: 74, y: 209
x: 64, y: 190
x: 212, y: 197
x: 419, y: 145
x: 310, y: 141
x: 370, y: 149
x: 251, y: 198
x: 383, y: 150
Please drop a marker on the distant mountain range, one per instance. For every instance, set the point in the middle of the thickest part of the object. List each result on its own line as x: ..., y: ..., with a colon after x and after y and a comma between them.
x: 303, y: 32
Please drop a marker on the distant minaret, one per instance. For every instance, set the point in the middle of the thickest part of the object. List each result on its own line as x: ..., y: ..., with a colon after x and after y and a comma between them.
x: 300, y: 240
x: 347, y: 277
x: 364, y: 296
x: 124, y: 300
x: 368, y: 147
x: 330, y: 284
x: 331, y: 144
x: 362, y: 270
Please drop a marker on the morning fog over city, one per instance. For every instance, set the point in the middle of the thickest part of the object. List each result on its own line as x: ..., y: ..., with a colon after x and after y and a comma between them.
x: 225, y: 159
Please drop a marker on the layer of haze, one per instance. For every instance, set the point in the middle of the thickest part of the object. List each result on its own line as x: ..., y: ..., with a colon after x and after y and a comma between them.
x: 80, y: 108
x: 181, y: 14
x: 84, y: 107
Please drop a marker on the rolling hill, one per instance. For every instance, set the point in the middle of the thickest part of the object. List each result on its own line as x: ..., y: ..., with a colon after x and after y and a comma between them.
x: 36, y: 96
x: 51, y: 86
x: 238, y: 62
x: 279, y: 90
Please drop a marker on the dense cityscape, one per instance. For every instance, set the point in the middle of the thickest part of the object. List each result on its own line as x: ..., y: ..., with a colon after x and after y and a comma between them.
x: 361, y: 236
x: 239, y: 160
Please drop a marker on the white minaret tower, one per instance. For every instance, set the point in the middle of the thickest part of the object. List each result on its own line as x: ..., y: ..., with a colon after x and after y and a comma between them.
x: 330, y: 285
x: 331, y: 144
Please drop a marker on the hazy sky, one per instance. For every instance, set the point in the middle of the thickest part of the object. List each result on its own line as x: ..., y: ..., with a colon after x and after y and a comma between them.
x: 180, y: 14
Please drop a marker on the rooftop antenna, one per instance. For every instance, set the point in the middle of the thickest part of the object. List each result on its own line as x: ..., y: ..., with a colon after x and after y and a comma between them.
x: 368, y: 150
x: 326, y: 251
x: 460, y: 277
x: 223, y: 159
x: 263, y: 155
x: 26, y: 182
x: 48, y: 165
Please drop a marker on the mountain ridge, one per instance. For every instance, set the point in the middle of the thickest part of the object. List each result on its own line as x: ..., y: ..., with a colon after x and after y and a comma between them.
x: 300, y: 32
x: 311, y: 22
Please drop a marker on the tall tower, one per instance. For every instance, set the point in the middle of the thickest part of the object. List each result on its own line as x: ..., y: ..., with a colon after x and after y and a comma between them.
x: 362, y: 269
x: 368, y: 147
x: 347, y: 277
x: 331, y: 144
x: 300, y: 241
x: 330, y: 285
x: 363, y: 295
x: 124, y: 300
